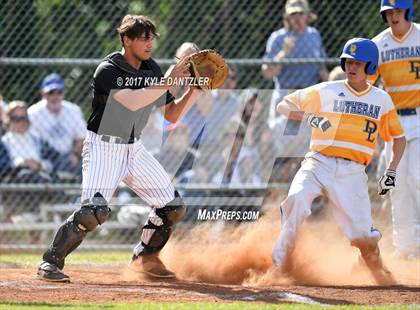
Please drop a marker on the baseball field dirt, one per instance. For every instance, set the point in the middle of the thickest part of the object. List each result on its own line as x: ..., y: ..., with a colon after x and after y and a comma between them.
x: 223, y: 266
x: 20, y: 285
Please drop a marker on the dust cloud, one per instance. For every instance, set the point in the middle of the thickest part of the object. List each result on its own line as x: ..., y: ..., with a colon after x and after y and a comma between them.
x: 228, y: 253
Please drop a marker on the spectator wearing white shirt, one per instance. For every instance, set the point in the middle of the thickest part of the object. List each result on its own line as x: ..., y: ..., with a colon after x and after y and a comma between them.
x: 31, y: 158
x: 60, y: 123
x: 24, y: 158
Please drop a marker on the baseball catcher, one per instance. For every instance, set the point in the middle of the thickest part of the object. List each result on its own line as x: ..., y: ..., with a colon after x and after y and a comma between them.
x: 121, y: 105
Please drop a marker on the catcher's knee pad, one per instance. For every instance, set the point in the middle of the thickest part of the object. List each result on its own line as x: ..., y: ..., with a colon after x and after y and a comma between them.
x: 93, y: 212
x: 170, y: 214
x: 69, y: 236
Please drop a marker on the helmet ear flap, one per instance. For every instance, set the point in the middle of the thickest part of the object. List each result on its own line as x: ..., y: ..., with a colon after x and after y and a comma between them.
x: 370, y: 69
x: 343, y: 64
x: 367, y: 67
x: 383, y: 14
x: 407, y: 15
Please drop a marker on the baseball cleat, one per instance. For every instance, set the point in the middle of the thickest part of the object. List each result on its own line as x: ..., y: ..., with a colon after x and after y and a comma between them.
x: 152, y: 266
x: 50, y: 272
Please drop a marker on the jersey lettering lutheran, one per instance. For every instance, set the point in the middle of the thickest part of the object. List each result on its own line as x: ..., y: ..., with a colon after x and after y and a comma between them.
x: 356, y: 118
x: 399, y: 66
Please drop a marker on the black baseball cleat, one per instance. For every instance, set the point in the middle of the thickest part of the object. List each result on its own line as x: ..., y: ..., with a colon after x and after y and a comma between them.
x: 151, y: 265
x: 50, y: 272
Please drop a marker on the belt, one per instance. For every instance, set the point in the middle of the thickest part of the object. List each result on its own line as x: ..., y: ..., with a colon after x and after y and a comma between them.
x: 119, y: 140
x: 406, y: 112
x: 346, y: 159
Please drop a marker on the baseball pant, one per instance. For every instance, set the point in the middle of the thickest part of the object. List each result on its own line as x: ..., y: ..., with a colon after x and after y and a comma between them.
x: 106, y: 165
x: 405, y: 198
x: 344, y: 182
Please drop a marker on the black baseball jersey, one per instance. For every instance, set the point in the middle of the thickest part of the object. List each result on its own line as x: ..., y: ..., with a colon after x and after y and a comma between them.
x: 109, y: 117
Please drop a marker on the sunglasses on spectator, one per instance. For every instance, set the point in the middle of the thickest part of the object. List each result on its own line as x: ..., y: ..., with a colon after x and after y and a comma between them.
x: 17, y: 119
x: 297, y: 14
x: 55, y: 92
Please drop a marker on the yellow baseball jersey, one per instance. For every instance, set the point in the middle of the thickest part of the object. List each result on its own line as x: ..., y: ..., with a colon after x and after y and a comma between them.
x: 399, y: 66
x: 356, y: 118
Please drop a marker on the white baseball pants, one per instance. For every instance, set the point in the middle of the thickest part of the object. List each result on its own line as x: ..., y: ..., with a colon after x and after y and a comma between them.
x: 345, y: 184
x: 405, y: 198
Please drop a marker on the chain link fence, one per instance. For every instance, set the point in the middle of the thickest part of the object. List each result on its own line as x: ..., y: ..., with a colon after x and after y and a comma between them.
x: 230, y: 151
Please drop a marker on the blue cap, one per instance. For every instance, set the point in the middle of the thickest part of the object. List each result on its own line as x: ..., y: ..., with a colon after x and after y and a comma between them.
x: 52, y: 81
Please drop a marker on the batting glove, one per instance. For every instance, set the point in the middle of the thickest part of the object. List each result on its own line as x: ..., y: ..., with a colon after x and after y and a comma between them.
x: 387, y: 182
x: 319, y: 122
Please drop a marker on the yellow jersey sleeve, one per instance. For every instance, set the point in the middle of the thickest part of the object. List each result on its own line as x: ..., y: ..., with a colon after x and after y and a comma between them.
x: 307, y: 100
x: 389, y: 125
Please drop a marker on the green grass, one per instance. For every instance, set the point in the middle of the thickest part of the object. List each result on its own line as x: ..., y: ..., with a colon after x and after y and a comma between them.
x: 182, y: 306
x: 76, y: 258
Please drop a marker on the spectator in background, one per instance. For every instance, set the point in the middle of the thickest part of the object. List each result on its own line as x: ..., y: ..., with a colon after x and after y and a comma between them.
x: 247, y: 171
x: 244, y: 163
x: 177, y: 156
x: 32, y: 159
x: 225, y: 105
x: 295, y: 40
x: 207, y: 121
x: 27, y: 159
x: 5, y: 162
x: 3, y: 108
x: 153, y: 132
x: 60, y: 123
x: 195, y: 117
x: 185, y: 49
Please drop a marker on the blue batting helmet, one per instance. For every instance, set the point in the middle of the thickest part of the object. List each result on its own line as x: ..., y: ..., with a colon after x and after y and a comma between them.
x: 398, y: 4
x: 363, y: 50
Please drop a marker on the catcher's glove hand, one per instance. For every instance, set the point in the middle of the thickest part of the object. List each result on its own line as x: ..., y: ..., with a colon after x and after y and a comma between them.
x: 210, y: 67
x: 387, y: 182
x: 319, y: 122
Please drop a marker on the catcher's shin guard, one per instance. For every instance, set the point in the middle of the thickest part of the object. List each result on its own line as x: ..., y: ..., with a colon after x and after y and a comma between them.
x: 70, y: 235
x: 154, y: 236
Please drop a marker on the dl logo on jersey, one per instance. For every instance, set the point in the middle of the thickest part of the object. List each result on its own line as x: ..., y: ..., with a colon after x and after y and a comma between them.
x: 370, y: 129
x: 415, y: 68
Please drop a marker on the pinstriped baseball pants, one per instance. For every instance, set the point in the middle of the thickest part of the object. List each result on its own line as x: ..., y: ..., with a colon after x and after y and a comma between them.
x: 106, y: 165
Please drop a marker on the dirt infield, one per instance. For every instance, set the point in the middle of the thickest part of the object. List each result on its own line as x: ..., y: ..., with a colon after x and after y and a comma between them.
x: 233, y: 264
x: 20, y: 285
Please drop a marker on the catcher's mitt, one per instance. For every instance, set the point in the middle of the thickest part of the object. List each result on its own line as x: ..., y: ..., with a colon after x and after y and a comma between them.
x: 210, y: 67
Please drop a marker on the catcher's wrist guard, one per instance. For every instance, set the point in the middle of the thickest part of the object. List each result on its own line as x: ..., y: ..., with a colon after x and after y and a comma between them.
x: 209, y: 69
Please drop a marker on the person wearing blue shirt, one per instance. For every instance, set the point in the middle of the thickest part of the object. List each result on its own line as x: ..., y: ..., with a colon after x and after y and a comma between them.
x: 295, y: 40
